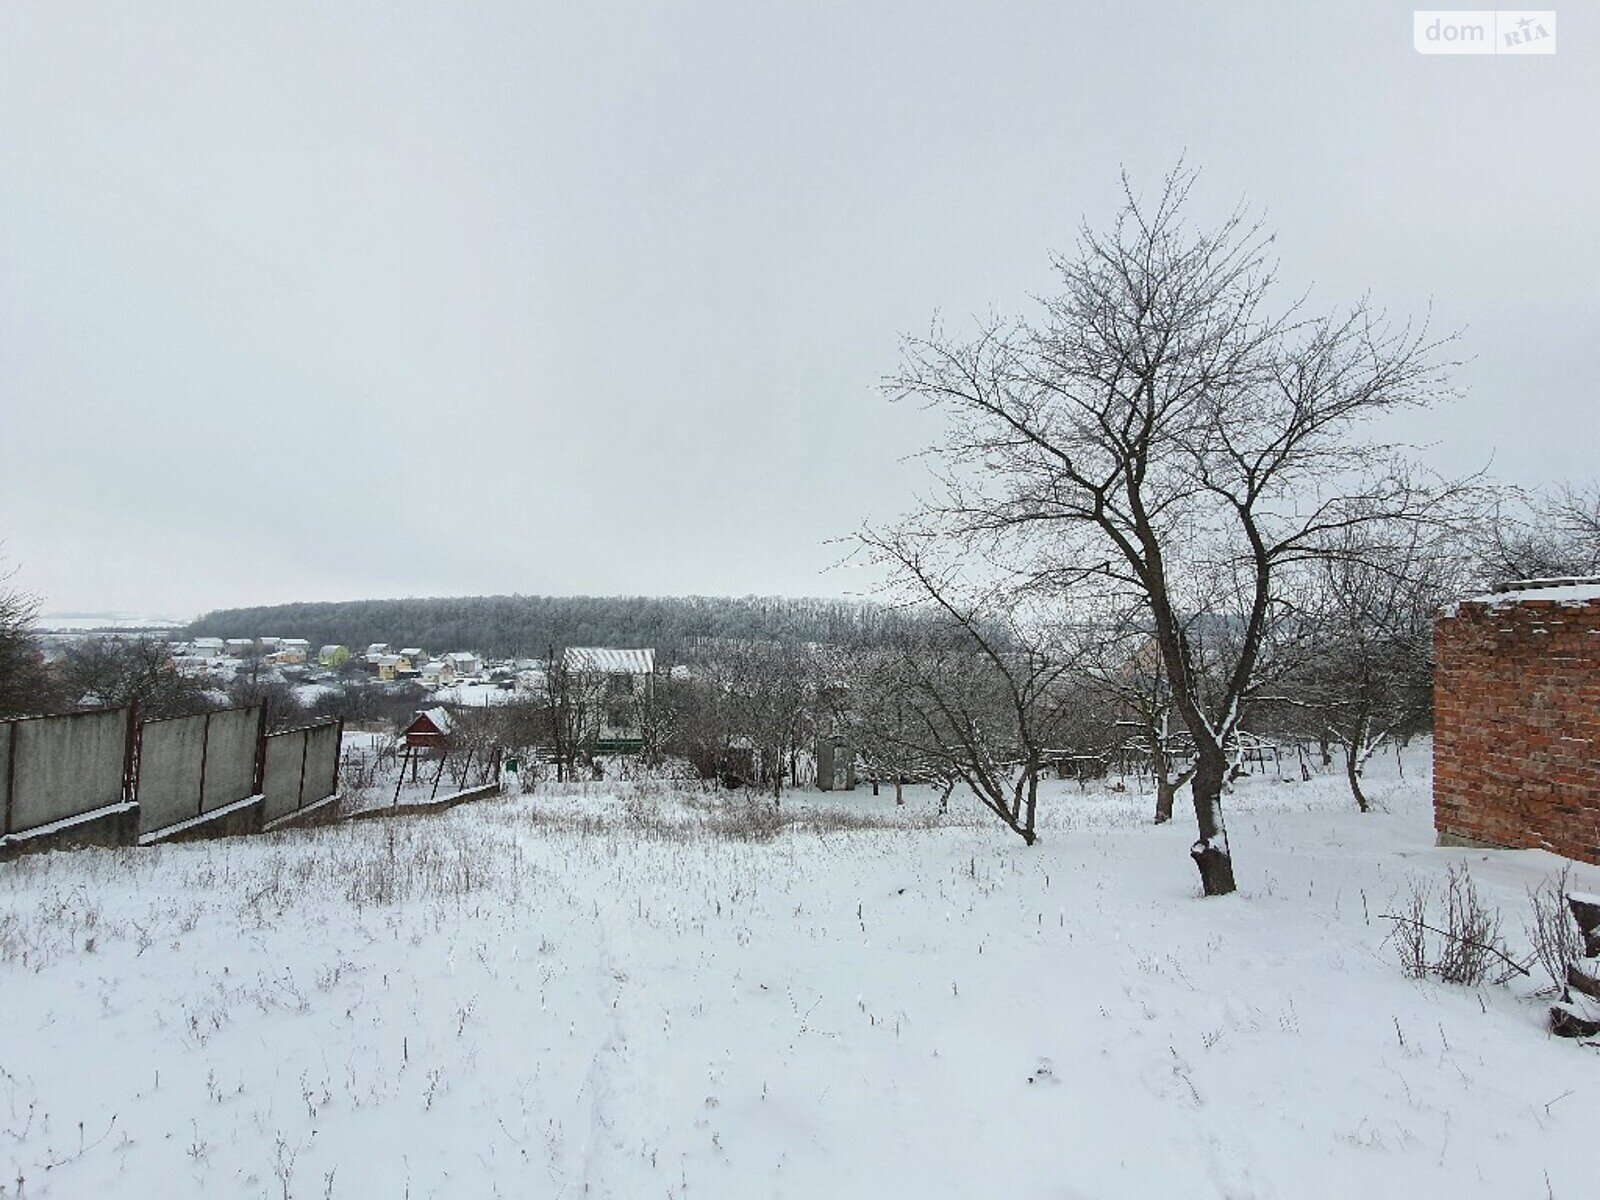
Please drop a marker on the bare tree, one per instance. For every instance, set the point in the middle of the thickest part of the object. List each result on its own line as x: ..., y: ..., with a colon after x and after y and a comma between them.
x: 25, y: 683
x: 113, y: 671
x: 1548, y: 536
x: 989, y: 685
x: 1128, y: 670
x: 576, y: 702
x: 773, y: 689
x: 1368, y: 674
x: 1160, y: 429
x: 284, y: 709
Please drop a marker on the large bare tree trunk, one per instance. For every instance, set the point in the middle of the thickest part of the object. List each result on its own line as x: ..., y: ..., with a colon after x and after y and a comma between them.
x: 1166, y: 793
x: 1352, y: 773
x: 1210, y: 852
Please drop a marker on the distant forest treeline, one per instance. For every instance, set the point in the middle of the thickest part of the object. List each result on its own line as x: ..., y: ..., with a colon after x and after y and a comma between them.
x: 525, y: 626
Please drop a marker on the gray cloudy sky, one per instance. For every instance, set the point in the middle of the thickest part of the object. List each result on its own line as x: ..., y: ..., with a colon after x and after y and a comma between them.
x: 337, y: 300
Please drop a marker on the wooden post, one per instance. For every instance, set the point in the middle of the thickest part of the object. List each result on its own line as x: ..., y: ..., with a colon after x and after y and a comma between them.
x: 439, y: 774
x: 411, y: 753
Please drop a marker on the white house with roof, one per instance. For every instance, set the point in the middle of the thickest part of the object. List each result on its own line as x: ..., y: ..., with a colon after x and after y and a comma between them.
x: 464, y: 662
x: 290, y: 652
x: 625, y: 681
x: 240, y: 647
x: 207, y: 647
x: 437, y: 672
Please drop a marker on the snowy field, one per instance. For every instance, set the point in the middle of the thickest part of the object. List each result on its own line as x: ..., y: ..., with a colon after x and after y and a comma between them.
x: 611, y: 994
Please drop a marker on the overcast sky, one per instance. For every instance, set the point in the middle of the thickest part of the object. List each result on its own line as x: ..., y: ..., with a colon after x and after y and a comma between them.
x: 340, y: 300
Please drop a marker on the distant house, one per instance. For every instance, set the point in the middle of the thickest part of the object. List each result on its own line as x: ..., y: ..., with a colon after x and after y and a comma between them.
x: 626, y: 680
x: 465, y: 663
x: 207, y: 647
x: 268, y: 644
x: 387, y: 666
x: 429, y: 729
x: 290, y: 652
x: 438, y: 672
x: 411, y: 660
x: 240, y: 647
x: 376, y: 651
x: 333, y: 656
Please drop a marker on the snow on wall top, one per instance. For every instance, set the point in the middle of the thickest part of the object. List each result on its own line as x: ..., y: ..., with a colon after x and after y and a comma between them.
x: 1555, y: 591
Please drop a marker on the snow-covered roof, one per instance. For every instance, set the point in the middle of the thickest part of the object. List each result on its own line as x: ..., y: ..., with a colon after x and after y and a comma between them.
x: 457, y: 656
x: 412, y: 651
x: 241, y: 641
x: 388, y: 660
x: 435, y: 665
x: 1573, y: 590
x: 331, y: 649
x: 378, y: 648
x: 439, y: 717
x: 602, y: 660
x: 294, y: 642
x: 208, y: 641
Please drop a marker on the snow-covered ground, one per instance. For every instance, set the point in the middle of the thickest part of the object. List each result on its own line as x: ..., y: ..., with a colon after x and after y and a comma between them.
x: 602, y: 992
x: 82, y: 622
x: 474, y: 693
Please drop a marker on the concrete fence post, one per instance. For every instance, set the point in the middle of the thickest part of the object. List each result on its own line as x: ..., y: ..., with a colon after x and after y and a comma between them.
x: 130, y: 755
x: 205, y: 747
x: 11, y: 771
x: 258, y: 780
x: 338, y: 757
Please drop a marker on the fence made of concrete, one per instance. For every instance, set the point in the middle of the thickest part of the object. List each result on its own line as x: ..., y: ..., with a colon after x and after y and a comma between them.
x: 191, y: 766
x: 300, y: 770
x: 56, y: 769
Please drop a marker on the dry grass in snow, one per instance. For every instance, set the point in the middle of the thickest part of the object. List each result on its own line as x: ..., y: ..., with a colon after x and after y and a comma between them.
x: 611, y: 992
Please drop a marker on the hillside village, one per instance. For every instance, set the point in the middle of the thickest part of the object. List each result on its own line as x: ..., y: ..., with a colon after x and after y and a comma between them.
x: 224, y: 659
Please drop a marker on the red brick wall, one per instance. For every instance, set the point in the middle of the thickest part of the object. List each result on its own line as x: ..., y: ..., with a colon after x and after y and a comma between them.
x: 1516, y: 757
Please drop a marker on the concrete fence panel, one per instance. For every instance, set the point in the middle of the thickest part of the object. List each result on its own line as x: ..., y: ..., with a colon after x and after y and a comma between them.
x: 170, y: 754
x: 52, y: 768
x: 232, y: 741
x: 322, y: 762
x: 281, y: 778
x: 301, y: 768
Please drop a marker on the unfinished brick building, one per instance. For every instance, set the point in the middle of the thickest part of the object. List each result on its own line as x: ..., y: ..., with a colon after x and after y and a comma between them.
x: 1516, y: 758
